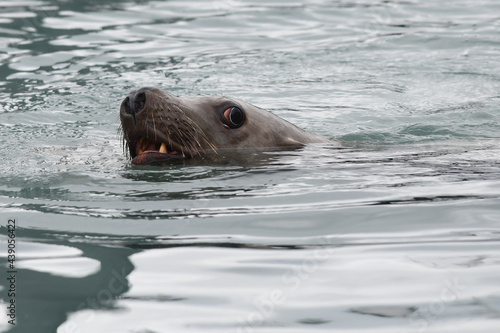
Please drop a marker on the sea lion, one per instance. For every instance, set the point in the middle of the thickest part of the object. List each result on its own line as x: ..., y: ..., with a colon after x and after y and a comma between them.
x: 159, y: 127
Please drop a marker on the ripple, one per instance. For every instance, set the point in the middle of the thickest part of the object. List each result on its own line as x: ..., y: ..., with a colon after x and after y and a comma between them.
x: 70, y: 20
x: 367, y: 236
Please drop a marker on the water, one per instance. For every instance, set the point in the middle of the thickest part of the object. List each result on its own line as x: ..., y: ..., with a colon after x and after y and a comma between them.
x: 395, y: 232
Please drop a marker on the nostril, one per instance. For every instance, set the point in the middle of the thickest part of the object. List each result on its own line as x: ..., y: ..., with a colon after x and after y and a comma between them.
x: 126, y: 105
x: 139, y: 101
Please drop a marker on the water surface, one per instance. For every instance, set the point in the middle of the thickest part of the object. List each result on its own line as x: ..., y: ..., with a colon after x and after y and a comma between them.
x: 397, y: 231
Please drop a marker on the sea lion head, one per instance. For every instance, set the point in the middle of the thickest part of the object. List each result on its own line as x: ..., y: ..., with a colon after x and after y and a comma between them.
x: 159, y: 127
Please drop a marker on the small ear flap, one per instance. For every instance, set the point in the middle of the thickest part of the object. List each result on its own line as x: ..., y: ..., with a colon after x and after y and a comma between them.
x: 293, y: 142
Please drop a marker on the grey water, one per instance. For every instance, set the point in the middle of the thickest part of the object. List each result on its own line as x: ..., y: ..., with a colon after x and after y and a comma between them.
x: 398, y: 230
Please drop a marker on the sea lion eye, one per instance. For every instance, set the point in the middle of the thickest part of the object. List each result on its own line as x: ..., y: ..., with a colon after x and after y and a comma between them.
x: 234, y: 117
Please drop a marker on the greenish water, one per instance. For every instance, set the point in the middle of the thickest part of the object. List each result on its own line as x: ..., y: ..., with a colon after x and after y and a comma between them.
x: 398, y: 231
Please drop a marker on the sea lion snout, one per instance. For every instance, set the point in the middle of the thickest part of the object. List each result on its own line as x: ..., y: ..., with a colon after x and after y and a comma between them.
x: 156, y: 128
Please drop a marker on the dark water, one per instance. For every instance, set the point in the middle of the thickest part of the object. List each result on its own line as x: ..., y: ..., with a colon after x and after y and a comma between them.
x: 398, y: 231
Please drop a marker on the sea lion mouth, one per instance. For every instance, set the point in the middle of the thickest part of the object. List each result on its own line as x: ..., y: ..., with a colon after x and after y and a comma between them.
x: 156, y: 148
x: 151, y: 152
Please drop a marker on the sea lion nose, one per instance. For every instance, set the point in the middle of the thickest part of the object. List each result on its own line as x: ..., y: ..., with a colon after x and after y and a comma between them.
x: 136, y: 102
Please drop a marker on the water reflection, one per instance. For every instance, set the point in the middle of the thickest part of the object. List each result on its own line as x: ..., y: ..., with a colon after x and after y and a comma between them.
x: 52, y: 295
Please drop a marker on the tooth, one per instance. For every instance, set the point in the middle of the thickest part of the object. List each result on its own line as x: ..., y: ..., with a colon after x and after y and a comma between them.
x: 163, y: 148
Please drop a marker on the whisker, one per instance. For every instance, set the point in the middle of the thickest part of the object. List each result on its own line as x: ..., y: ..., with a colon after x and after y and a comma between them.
x: 154, y: 125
